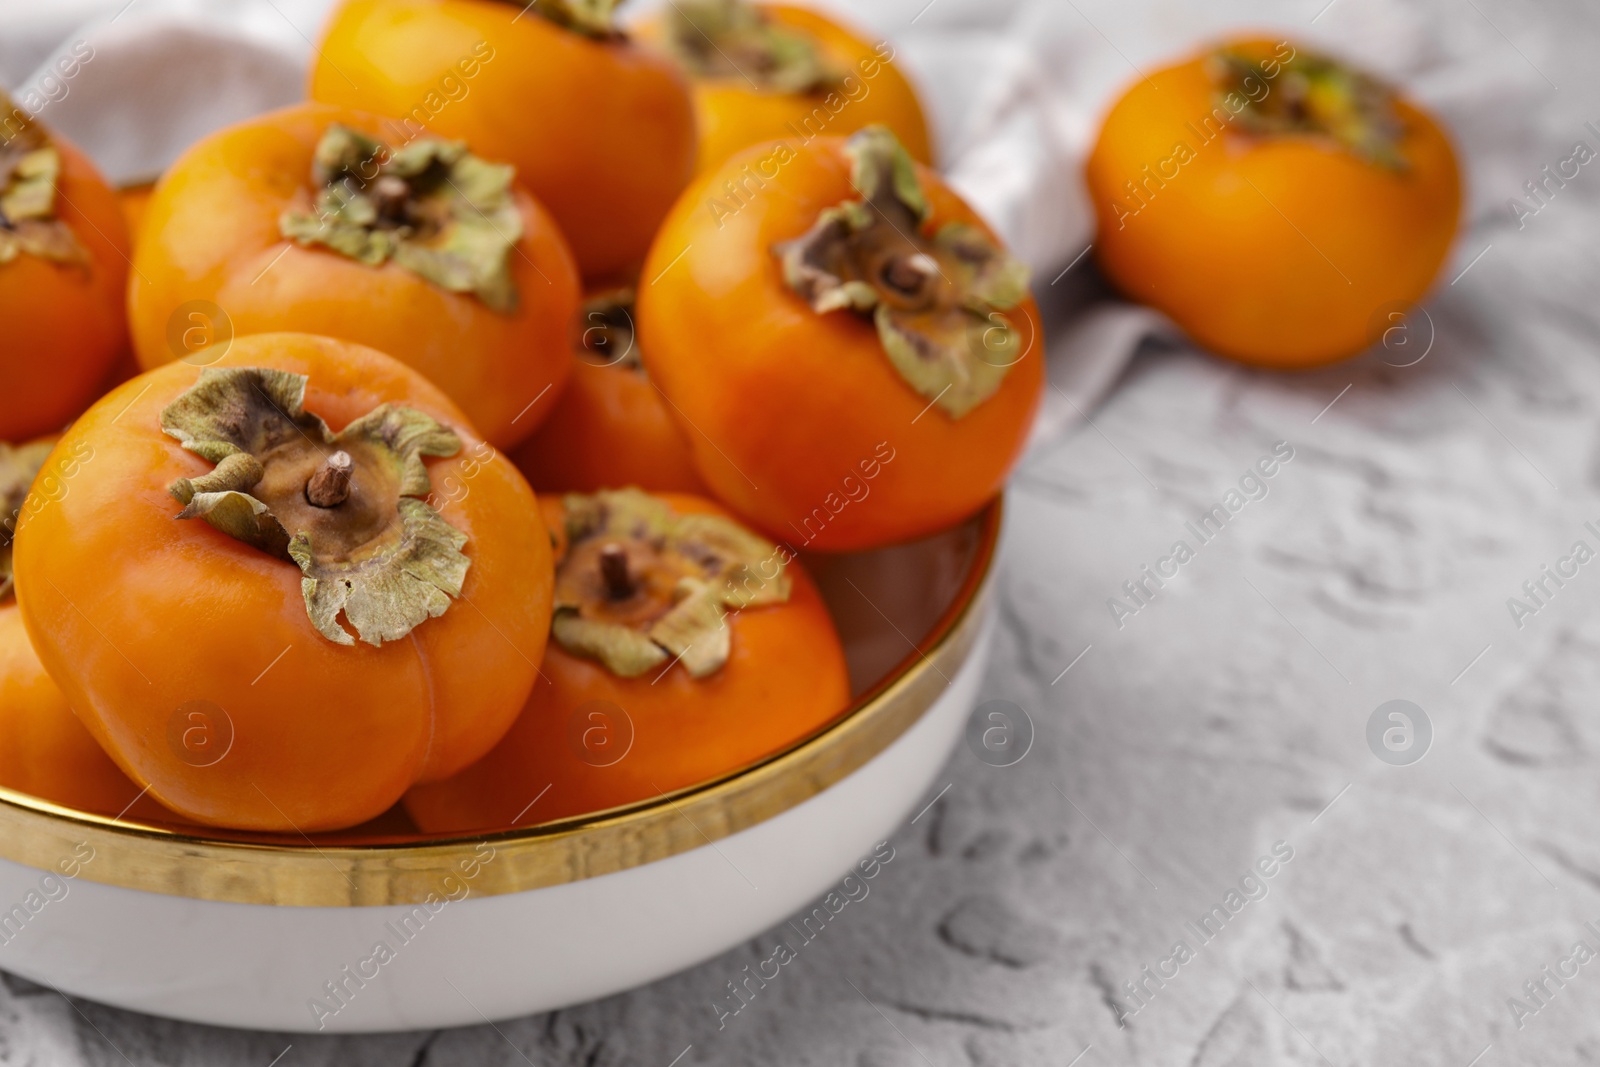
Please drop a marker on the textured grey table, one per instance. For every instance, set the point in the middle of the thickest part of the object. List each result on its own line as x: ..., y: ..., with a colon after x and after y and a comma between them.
x: 1227, y: 716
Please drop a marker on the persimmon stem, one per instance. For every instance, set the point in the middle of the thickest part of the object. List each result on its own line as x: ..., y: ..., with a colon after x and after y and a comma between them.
x: 640, y: 587
x: 392, y: 196
x: 614, y: 571
x: 910, y: 274
x: 330, y: 485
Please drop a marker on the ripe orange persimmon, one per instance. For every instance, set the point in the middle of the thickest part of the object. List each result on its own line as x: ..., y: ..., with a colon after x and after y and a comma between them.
x: 850, y: 372
x: 333, y: 222
x: 340, y: 615
x: 610, y: 428
x: 601, y: 130
x: 770, y: 72
x: 63, y: 273
x: 135, y: 200
x: 1280, y: 206
x: 682, y: 648
x: 44, y: 750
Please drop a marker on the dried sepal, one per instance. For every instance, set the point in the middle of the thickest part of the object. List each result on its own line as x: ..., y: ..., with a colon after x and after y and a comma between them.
x: 937, y: 301
x: 626, y: 652
x: 241, y: 409
x: 735, y: 39
x: 431, y: 206
x: 405, y: 563
x: 384, y: 598
x: 691, y: 572
x: 592, y: 18
x: 19, y: 466
x: 30, y: 174
x: 1312, y: 96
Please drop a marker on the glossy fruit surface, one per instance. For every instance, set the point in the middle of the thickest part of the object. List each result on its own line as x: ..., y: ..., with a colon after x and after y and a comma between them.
x: 601, y: 130
x: 744, y: 96
x: 44, y: 750
x: 800, y: 420
x: 599, y: 740
x: 1280, y: 207
x: 135, y: 199
x: 203, y: 663
x: 61, y: 292
x: 214, y: 261
x: 611, y: 428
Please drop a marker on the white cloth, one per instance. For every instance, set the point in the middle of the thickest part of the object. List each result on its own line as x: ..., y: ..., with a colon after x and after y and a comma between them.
x: 1015, y: 90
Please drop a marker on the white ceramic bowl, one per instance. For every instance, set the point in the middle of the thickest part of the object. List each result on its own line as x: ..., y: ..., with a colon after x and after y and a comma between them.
x: 285, y: 934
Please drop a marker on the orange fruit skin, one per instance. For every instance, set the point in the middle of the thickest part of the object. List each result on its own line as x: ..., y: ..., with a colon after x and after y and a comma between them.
x: 211, y: 234
x: 787, y: 410
x: 732, y: 114
x: 602, y: 132
x: 44, y: 750
x: 64, y: 322
x: 1280, y: 252
x: 610, y: 429
x: 135, y: 199
x: 135, y: 615
x: 785, y: 679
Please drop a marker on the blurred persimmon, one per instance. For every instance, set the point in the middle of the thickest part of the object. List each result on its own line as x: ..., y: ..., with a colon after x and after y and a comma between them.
x: 853, y: 354
x: 135, y: 200
x: 610, y: 428
x: 319, y: 220
x: 773, y: 72
x: 601, y: 130
x: 63, y: 275
x: 44, y: 750
x: 337, y: 615
x: 682, y: 648
x: 1274, y: 202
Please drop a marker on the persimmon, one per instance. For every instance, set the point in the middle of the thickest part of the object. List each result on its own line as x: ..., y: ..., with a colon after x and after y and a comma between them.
x: 682, y: 648
x: 854, y: 356
x: 600, y: 129
x: 44, y: 750
x: 611, y: 427
x: 1276, y: 203
x: 63, y: 272
x: 320, y: 220
x: 135, y: 200
x: 770, y: 72
x: 333, y: 616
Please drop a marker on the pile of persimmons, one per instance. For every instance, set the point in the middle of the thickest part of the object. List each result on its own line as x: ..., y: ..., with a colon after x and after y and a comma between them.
x: 276, y: 555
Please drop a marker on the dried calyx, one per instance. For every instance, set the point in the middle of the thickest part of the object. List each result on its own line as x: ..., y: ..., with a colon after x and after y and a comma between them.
x: 640, y: 586
x: 737, y: 40
x: 592, y: 18
x: 606, y: 336
x: 19, y: 465
x: 431, y: 206
x: 1313, y: 96
x: 936, y: 300
x: 30, y: 169
x: 344, y: 507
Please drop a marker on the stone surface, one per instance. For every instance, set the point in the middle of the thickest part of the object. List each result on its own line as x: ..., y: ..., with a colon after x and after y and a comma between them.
x: 1226, y: 717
